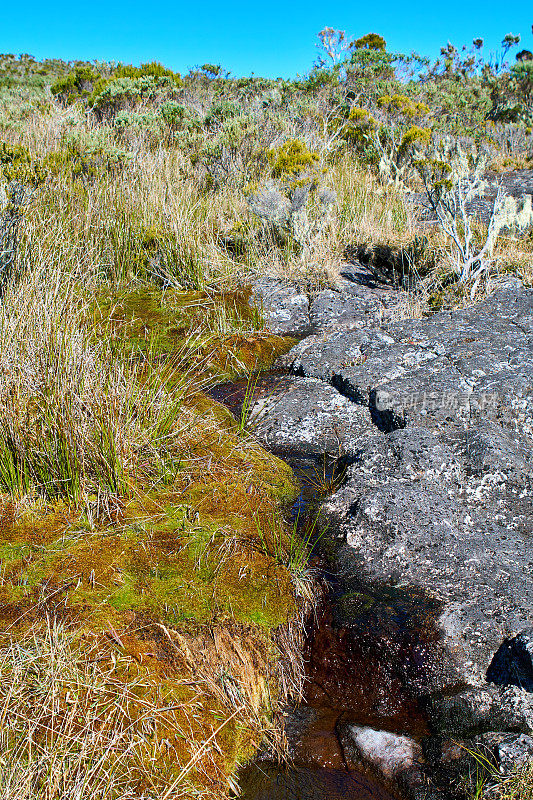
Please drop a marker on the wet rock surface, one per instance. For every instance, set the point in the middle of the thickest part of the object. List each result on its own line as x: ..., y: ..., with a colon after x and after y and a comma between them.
x: 509, y: 750
x: 270, y: 782
x: 443, y: 502
x: 395, y: 760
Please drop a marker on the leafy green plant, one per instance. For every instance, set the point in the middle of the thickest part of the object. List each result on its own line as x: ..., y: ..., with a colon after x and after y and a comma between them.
x: 291, y: 160
x: 153, y: 69
x: 222, y: 111
x: 370, y: 41
x: 76, y: 85
x: 122, y: 93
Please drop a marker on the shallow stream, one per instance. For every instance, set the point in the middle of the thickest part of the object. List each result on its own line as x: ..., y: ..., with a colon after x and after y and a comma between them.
x: 363, y: 652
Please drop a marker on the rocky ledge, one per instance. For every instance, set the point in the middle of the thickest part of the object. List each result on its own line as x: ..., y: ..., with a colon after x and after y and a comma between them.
x: 435, y: 419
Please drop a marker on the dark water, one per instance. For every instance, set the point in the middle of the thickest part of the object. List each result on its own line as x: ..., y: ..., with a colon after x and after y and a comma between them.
x: 362, y: 652
x: 234, y: 394
x: 271, y: 782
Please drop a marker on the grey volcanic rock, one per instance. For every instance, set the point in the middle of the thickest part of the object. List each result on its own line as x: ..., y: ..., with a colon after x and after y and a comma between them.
x: 491, y: 448
x: 451, y: 366
x: 308, y: 417
x: 510, y: 750
x: 284, y: 308
x: 414, y: 516
x: 485, y: 709
x: 330, y: 308
x: 323, y: 356
x: 355, y: 301
x: 439, y: 501
x: 431, y: 533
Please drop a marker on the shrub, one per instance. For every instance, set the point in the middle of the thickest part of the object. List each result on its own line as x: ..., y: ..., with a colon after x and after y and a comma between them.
x: 173, y: 113
x: 211, y: 70
x: 86, y: 156
x: 154, y: 69
x: 22, y: 175
x: 147, y: 125
x: 231, y: 152
x: 370, y: 41
x: 292, y: 159
x: 288, y: 218
x: 453, y: 177
x: 388, y: 141
x: 114, y: 95
x: 17, y: 165
x: 403, y: 107
x: 75, y: 85
x: 222, y: 111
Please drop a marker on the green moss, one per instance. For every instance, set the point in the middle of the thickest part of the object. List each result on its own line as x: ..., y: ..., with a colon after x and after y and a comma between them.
x: 217, y: 333
x: 11, y: 553
x: 192, y: 555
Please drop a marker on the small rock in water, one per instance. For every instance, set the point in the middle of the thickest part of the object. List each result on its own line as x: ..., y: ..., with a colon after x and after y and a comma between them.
x: 390, y: 753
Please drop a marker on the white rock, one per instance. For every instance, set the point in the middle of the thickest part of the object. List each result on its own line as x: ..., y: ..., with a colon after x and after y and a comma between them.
x: 389, y: 752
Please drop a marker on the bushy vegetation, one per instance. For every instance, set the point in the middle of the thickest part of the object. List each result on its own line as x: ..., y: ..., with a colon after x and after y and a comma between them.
x: 138, y: 517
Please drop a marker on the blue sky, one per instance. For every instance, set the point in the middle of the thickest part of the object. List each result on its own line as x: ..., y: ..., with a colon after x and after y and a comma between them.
x: 273, y: 38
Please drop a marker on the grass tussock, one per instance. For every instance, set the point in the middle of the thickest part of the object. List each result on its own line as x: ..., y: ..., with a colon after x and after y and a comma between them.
x: 70, y: 728
x: 129, y: 511
x: 76, y: 421
x: 486, y: 779
x: 87, y: 723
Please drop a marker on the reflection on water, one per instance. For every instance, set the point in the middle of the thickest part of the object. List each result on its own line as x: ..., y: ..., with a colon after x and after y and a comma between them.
x: 273, y: 782
x: 234, y: 394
